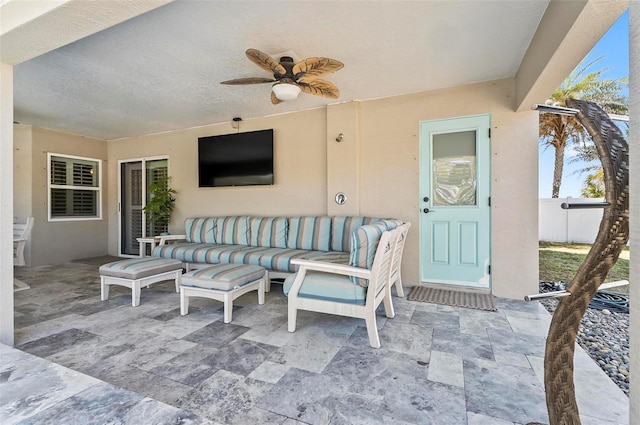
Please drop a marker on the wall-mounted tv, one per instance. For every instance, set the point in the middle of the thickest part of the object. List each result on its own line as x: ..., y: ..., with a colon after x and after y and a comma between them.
x: 238, y: 159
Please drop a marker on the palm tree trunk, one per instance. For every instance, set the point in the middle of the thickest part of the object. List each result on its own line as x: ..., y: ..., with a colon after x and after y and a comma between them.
x: 558, y: 166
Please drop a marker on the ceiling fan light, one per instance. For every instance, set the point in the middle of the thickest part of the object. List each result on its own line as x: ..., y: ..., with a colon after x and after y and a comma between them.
x: 286, y: 91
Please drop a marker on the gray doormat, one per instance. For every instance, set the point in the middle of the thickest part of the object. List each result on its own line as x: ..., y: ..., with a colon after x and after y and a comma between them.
x: 454, y: 298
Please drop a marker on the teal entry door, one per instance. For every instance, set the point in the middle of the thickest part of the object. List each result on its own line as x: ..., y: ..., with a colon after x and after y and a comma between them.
x: 455, y: 181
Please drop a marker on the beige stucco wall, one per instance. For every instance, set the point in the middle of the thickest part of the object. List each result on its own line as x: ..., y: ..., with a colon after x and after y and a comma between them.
x: 299, y: 171
x: 55, y: 242
x: 23, y: 179
x: 6, y: 204
x: 344, y: 142
x: 376, y: 164
x: 22, y: 172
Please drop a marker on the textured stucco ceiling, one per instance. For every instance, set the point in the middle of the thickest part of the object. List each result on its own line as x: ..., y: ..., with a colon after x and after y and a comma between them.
x: 160, y: 71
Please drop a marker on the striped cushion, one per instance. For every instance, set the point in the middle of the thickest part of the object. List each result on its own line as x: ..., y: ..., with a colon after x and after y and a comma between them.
x: 337, y: 257
x: 223, y: 277
x: 329, y: 287
x: 343, y: 226
x: 279, y: 259
x: 232, y: 230
x: 364, y: 242
x: 276, y: 259
x: 392, y: 223
x: 196, y: 253
x: 269, y: 231
x: 200, y: 229
x: 137, y: 268
x: 309, y: 233
x: 245, y: 255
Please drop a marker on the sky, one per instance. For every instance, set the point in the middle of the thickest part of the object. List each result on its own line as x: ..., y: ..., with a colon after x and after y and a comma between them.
x: 614, y: 47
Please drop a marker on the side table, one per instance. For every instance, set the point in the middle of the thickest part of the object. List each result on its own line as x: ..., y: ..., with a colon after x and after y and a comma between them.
x: 143, y: 244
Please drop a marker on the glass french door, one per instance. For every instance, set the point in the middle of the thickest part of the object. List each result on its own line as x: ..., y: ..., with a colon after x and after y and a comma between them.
x: 136, y: 176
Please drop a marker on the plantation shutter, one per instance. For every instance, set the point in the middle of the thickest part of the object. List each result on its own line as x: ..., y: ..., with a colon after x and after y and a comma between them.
x: 74, y: 187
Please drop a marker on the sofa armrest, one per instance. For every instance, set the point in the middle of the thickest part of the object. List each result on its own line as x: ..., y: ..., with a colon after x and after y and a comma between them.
x: 171, y: 238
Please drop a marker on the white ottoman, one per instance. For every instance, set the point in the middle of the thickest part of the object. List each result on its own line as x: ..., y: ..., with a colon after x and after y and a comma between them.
x: 137, y: 273
x: 223, y: 282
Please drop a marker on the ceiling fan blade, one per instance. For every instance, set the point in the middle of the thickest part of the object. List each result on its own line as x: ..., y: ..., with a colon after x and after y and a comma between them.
x: 319, y: 87
x: 316, y: 67
x: 250, y: 80
x: 265, y: 62
x: 274, y: 99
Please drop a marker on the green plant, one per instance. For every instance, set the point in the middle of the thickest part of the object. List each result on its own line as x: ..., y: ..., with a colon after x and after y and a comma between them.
x: 161, y: 203
x: 558, y: 131
x: 594, y: 185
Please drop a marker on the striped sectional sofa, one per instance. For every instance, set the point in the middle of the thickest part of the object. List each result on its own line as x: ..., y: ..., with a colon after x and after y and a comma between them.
x: 270, y: 242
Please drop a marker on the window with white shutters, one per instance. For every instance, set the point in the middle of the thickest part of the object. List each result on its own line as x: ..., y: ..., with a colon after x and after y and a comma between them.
x: 74, y: 187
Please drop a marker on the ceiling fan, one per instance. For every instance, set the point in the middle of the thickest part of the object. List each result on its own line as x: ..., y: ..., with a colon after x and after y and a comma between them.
x: 291, y: 78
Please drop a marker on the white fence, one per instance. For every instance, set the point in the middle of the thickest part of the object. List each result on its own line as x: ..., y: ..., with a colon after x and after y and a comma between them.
x: 573, y: 225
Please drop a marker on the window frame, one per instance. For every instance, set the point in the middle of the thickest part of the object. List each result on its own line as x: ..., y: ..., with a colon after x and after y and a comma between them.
x: 51, y: 186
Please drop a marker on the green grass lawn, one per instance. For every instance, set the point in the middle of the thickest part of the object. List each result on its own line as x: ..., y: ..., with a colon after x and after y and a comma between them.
x: 560, y: 262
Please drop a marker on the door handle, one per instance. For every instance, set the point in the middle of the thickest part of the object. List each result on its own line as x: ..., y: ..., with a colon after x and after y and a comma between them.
x: 427, y: 210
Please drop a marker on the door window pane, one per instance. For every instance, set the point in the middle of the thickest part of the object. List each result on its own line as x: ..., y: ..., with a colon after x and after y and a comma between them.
x: 453, y: 181
x: 156, y: 171
x: 131, y: 206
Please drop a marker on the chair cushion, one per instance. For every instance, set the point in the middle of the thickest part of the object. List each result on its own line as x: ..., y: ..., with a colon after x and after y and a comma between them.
x: 392, y: 223
x: 270, y: 232
x: 343, y: 226
x: 337, y: 257
x: 232, y: 230
x: 199, y: 229
x: 328, y: 287
x: 364, y: 242
x: 223, y: 277
x: 309, y: 233
x: 137, y: 268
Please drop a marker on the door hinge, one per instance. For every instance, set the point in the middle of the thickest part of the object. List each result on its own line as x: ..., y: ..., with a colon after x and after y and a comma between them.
x: 489, y: 269
x: 489, y: 132
x: 489, y: 200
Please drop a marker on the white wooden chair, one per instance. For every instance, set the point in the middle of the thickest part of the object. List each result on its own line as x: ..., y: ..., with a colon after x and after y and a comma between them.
x: 21, y: 234
x: 316, y: 274
x: 396, y: 262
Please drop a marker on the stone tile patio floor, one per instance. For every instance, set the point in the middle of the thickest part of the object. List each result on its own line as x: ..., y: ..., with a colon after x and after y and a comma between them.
x: 79, y: 360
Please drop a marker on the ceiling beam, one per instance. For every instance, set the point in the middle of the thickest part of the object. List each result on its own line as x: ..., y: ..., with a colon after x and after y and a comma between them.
x: 32, y: 28
x: 567, y: 32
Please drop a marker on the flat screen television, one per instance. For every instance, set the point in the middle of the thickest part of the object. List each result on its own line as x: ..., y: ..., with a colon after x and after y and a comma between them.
x: 238, y: 159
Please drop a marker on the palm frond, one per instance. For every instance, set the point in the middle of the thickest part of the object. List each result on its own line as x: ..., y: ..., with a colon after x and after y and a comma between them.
x: 560, y: 131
